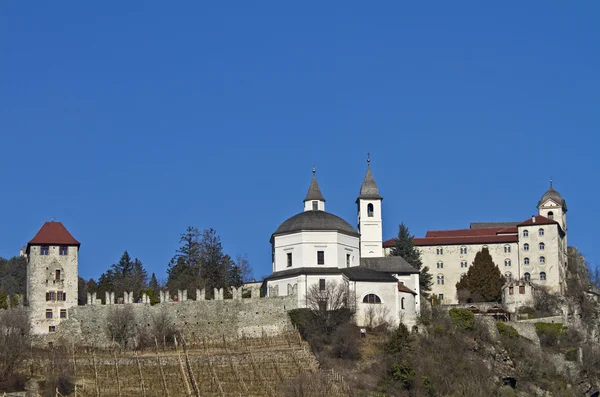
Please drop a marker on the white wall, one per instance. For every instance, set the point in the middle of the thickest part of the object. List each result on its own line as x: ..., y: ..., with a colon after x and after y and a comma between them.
x: 552, y: 253
x: 370, y: 228
x: 304, y: 246
x: 41, y: 279
x: 452, y: 258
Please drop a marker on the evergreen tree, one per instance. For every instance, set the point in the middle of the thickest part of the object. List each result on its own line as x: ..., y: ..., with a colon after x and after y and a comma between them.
x: 404, y: 246
x: 13, y: 275
x: 215, y: 265
x: 153, y: 285
x: 184, y: 269
x: 483, y: 281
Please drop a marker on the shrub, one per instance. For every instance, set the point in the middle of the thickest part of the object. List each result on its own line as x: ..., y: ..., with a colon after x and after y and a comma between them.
x: 398, y: 340
x: 345, y: 344
x: 549, y: 333
x: 401, y: 374
x: 507, y: 330
x: 63, y: 383
x: 462, y: 318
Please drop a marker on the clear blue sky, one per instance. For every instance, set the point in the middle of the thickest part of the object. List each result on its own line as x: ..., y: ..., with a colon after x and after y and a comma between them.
x: 129, y: 121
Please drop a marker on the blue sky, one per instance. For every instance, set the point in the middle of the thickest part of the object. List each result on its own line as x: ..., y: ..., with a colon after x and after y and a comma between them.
x: 129, y: 121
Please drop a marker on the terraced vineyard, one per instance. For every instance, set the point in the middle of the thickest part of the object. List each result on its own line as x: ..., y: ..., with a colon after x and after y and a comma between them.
x: 225, y: 367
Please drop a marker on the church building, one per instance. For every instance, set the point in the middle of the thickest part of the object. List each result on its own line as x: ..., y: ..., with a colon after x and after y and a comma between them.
x: 315, y: 248
x: 533, y: 250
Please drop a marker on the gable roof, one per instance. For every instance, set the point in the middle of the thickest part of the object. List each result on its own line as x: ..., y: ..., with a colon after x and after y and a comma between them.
x: 389, y: 264
x: 404, y: 288
x: 53, y: 233
x: 538, y: 220
x: 355, y: 273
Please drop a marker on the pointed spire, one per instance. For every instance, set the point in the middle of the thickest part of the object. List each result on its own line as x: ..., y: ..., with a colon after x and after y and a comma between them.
x: 314, y: 192
x: 369, y: 189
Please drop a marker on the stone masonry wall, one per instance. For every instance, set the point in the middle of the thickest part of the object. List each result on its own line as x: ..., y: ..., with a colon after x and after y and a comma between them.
x: 229, y: 318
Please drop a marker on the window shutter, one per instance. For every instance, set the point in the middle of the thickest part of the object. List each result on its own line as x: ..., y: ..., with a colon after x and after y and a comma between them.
x: 47, y: 296
x: 64, y: 296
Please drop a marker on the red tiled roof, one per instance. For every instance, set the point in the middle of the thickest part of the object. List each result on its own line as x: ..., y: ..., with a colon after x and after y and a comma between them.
x: 404, y: 288
x: 501, y: 238
x: 53, y: 233
x: 488, y: 231
x: 539, y: 220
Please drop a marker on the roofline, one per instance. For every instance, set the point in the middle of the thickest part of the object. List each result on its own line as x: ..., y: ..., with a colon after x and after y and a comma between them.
x: 313, y: 230
x: 78, y: 245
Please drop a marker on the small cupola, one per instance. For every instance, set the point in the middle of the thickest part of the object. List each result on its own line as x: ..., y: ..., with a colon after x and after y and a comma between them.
x: 314, y: 200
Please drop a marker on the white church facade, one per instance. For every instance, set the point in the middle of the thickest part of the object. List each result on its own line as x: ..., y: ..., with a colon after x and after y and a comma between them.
x: 314, y: 249
x: 533, y: 250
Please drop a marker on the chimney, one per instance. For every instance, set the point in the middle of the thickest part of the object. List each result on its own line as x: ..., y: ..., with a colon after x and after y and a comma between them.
x: 533, y: 219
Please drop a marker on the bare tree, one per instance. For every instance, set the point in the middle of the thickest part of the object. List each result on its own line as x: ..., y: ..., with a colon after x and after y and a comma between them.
x: 377, y: 315
x: 332, y: 304
x: 120, y: 323
x: 14, y: 339
x: 163, y: 327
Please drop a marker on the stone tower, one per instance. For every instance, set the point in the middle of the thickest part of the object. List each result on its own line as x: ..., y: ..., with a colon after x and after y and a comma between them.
x: 369, y: 217
x: 52, y: 276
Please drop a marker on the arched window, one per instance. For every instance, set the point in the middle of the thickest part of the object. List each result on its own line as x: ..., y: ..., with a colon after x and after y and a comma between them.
x: 526, y: 261
x: 371, y: 298
x: 525, y: 247
x: 463, y: 250
x: 463, y: 264
x: 440, y: 265
x: 507, y: 262
x: 527, y: 277
x: 541, y: 232
x: 440, y: 279
x: 402, y: 303
x: 370, y: 209
x: 525, y: 233
x: 542, y: 260
x: 543, y: 276
x: 508, y: 276
x: 439, y: 251
x: 551, y: 215
x: 542, y: 246
x: 507, y: 249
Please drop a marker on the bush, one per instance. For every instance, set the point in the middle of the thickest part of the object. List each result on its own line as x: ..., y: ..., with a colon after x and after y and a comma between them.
x: 571, y: 354
x: 345, y: 342
x: 401, y: 374
x: 398, y: 341
x: 63, y: 383
x: 507, y: 330
x: 549, y: 333
x: 462, y: 318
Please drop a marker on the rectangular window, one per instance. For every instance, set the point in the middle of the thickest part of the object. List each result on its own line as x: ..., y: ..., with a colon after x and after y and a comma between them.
x: 320, y: 257
x: 48, y: 313
x: 63, y: 250
x: 521, y: 289
x: 57, y: 274
x: 63, y: 313
x: 441, y: 297
x: 52, y: 328
x: 347, y: 260
x: 322, y: 284
x: 289, y: 259
x: 315, y: 205
x: 61, y: 296
x: 44, y: 250
x: 50, y: 296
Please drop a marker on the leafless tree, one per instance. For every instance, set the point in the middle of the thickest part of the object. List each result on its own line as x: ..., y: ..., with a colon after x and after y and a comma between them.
x: 163, y: 328
x: 14, y: 339
x: 331, y: 296
x: 120, y: 323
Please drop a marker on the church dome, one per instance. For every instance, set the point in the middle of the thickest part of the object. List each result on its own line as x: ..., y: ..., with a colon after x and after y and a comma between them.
x: 553, y: 195
x: 315, y: 220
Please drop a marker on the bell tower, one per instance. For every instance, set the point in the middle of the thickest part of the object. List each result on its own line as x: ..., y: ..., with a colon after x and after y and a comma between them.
x: 369, y: 217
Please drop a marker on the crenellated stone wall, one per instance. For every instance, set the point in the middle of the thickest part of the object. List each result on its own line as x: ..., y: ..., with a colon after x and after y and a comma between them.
x: 194, y: 319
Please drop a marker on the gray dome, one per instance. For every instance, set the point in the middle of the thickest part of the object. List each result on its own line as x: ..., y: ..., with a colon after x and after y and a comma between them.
x: 553, y: 195
x: 315, y: 220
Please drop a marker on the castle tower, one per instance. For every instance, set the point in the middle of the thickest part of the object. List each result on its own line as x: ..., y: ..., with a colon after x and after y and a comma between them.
x: 314, y: 200
x: 553, y: 206
x: 369, y: 217
x: 52, y: 276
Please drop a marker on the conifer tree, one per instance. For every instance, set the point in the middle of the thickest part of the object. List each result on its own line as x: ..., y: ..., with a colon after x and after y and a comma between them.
x: 404, y: 246
x: 483, y: 281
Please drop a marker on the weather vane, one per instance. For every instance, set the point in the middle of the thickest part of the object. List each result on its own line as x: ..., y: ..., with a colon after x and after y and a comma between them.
x: 368, y: 158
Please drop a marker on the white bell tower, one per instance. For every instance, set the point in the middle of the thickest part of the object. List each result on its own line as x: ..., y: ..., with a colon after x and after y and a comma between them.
x: 369, y: 217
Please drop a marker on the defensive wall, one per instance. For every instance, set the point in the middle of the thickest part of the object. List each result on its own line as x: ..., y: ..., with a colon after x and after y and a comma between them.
x: 237, y: 317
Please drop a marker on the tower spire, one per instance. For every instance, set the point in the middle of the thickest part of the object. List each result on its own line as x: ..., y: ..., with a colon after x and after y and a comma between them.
x: 314, y: 194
